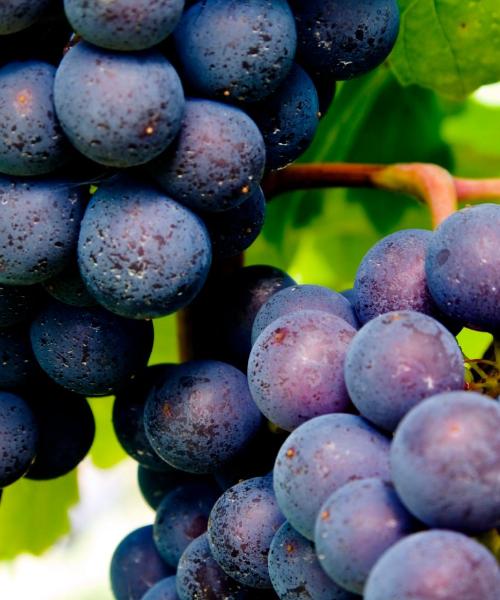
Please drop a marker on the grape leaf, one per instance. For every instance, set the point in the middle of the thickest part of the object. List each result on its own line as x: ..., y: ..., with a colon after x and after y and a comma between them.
x: 449, y: 46
x: 34, y: 514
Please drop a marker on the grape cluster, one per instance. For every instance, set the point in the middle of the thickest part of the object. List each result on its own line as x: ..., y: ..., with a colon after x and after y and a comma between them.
x: 318, y: 445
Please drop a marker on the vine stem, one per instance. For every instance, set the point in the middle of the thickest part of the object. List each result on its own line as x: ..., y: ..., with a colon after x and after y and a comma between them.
x: 477, y: 190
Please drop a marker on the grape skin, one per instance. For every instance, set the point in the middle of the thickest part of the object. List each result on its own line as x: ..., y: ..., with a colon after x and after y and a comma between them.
x: 16, y: 15
x: 68, y: 287
x: 397, y: 360
x: 118, y: 109
x: 434, y: 565
x: 166, y: 589
x: 445, y: 461
x: 296, y: 367
x: 319, y: 457
x: 124, y: 24
x: 18, y: 303
x: 17, y: 362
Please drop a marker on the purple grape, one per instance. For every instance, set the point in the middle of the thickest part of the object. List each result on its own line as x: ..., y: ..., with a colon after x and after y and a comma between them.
x: 201, y: 416
x: 68, y: 287
x: 434, y: 565
x: 124, y: 24
x: 355, y: 526
x: 90, y: 351
x: 238, y: 51
x: 319, y: 457
x: 155, y: 485
x: 166, y: 589
x: 181, y: 517
x: 16, y: 15
x: 296, y: 367
x: 18, y: 365
x: 242, y: 525
x: 397, y: 360
x: 199, y: 577
x: 136, y: 565
x: 302, y: 297
x: 295, y: 571
x: 445, y: 461
x: 463, y: 266
x: 18, y: 303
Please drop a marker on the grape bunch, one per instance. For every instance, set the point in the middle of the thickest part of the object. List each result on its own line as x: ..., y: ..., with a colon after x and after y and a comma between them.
x: 318, y: 445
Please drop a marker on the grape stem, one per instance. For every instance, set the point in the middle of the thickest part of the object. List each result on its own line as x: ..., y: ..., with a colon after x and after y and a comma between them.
x: 431, y: 184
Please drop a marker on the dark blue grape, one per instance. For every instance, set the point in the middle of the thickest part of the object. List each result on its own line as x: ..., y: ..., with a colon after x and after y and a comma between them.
x: 398, y: 359
x: 18, y: 366
x: 242, y: 525
x: 38, y: 229
x: 326, y: 87
x: 319, y: 457
x: 238, y: 51
x: 68, y: 287
x: 302, y: 297
x: 16, y: 15
x: 141, y: 255
x: 66, y: 431
x: 136, y: 565
x: 463, y: 266
x: 199, y: 577
x: 18, y: 438
x: 234, y: 230
x: 124, y: 24
x: 89, y: 351
x: 217, y: 160
x: 435, y: 565
x: 288, y: 119
x: 166, y: 589
x: 155, y: 485
x: 345, y: 39
x: 31, y: 139
x: 296, y: 367
x: 182, y: 516
x: 445, y: 461
x: 201, y: 416
x: 295, y: 571
x: 128, y: 417
x: 355, y: 526
x: 18, y: 303
x: 118, y: 109
x: 350, y: 295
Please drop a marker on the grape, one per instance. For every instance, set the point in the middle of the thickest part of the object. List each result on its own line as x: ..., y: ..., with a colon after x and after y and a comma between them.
x: 391, y: 276
x: 350, y: 295
x: 199, y: 577
x: 241, y: 527
x: 166, y: 589
x: 155, y: 485
x: 17, y: 363
x: 355, y: 526
x: 17, y: 303
x: 66, y: 426
x: 445, y: 461
x: 302, y: 297
x: 216, y: 161
x: 16, y: 15
x: 124, y: 24
x: 295, y: 571
x: 89, y: 351
x: 234, y: 230
x: 68, y: 287
x: 296, y: 367
x: 136, y: 565
x: 398, y: 359
x: 326, y: 88
x: 39, y: 228
x: 31, y: 139
x: 463, y: 266
x: 234, y: 50
x: 201, y: 416
x: 118, y: 109
x: 182, y: 516
x: 345, y: 39
x: 128, y: 417
x: 288, y: 119
x: 435, y: 565
x: 141, y: 254
x: 319, y: 457
x: 18, y: 438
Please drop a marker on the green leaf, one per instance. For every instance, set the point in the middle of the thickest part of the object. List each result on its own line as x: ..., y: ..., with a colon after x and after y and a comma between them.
x: 106, y: 451
x: 34, y: 514
x: 450, y: 46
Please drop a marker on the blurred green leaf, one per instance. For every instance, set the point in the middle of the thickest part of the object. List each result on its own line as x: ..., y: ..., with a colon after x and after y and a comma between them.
x: 34, y: 514
x: 106, y: 452
x: 449, y: 46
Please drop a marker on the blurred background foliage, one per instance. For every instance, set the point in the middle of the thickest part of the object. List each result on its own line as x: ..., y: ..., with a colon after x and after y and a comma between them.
x: 394, y: 114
